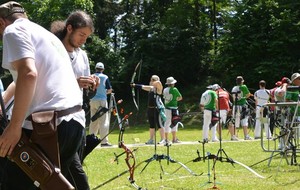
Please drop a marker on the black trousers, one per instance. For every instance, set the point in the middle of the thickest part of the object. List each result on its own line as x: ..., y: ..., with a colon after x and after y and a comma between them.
x: 70, y: 136
x: 77, y: 177
x: 153, y: 116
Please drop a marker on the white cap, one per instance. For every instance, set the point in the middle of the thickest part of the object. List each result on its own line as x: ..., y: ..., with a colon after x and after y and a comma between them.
x: 171, y: 80
x: 295, y: 76
x: 99, y: 65
x: 213, y: 87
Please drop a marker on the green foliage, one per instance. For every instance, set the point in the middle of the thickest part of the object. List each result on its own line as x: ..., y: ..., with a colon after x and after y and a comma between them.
x: 261, y: 36
x: 257, y: 39
x: 44, y: 12
x: 99, y: 51
x: 106, y: 13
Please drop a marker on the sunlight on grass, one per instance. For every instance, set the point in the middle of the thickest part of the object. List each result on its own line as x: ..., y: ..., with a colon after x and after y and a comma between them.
x: 100, y: 165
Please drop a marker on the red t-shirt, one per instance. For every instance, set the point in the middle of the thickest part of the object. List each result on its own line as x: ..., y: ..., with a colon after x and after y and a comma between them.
x: 223, y: 99
x: 272, y: 96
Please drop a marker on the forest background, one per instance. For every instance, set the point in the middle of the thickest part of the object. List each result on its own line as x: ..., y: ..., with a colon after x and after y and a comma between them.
x: 198, y: 42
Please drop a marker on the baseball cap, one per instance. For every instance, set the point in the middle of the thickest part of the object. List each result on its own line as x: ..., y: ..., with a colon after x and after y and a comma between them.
x: 213, y: 87
x: 209, y: 86
x: 99, y: 65
x: 295, y: 76
x: 239, y: 78
x: 10, y: 8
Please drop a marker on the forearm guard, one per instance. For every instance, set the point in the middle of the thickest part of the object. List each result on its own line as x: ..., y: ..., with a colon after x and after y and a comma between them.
x: 138, y: 86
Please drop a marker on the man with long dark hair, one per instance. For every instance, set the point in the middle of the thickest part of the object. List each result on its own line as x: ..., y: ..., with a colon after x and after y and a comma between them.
x: 73, y: 33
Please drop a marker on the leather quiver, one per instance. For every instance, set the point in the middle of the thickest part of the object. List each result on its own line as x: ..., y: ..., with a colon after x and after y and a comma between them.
x: 38, y: 167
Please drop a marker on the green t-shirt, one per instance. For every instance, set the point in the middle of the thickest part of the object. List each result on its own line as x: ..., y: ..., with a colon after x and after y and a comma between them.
x: 208, y: 99
x: 170, y: 95
x: 293, y: 96
x: 242, y: 92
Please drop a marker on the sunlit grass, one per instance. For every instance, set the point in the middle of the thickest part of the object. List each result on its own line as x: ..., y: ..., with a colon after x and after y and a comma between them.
x: 100, y: 165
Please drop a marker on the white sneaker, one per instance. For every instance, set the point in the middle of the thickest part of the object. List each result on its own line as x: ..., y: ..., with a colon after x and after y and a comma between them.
x: 168, y: 143
x: 234, y: 138
x: 163, y: 141
x: 215, y: 140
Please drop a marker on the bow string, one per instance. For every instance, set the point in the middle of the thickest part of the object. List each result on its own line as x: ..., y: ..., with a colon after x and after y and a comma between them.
x: 136, y: 69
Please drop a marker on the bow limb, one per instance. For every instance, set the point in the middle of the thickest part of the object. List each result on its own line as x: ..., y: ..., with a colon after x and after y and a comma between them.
x: 248, y: 168
x: 186, y: 168
x: 132, y: 81
x: 129, y: 156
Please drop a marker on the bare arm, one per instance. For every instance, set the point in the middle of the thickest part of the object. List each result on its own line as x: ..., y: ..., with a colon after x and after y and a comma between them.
x: 155, y: 84
x: 201, y: 106
x: 143, y: 87
x: 24, y: 91
x: 179, y: 98
x: 9, y: 92
x: 109, y: 91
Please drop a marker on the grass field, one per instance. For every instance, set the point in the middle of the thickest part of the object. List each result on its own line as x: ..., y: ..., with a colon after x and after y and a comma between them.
x: 100, y: 165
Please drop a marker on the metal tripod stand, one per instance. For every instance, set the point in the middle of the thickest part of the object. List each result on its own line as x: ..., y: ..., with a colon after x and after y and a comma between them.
x: 157, y: 157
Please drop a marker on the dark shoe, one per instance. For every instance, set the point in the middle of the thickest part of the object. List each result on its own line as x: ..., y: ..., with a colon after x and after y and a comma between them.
x: 106, y: 145
x: 150, y: 141
x: 205, y: 141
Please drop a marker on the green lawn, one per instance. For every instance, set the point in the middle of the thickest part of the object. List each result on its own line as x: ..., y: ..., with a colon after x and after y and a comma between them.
x: 100, y: 165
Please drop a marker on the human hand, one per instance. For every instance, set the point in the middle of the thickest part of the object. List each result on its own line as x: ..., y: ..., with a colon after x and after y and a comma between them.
x: 96, y: 82
x: 88, y: 82
x: 9, y: 138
